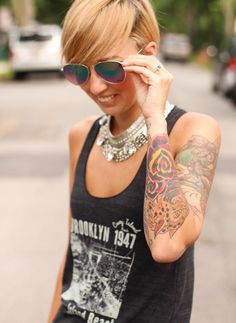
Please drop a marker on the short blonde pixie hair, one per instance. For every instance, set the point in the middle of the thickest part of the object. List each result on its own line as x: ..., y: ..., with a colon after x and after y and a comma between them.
x: 93, y: 27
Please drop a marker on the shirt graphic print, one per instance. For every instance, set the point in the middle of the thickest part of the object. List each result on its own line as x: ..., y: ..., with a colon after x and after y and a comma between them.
x: 102, y: 260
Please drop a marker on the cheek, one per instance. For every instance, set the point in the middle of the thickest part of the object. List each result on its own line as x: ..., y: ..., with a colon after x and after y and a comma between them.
x: 127, y: 87
x: 84, y: 88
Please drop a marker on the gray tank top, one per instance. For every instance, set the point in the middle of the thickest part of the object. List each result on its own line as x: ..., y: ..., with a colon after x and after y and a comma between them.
x: 110, y: 275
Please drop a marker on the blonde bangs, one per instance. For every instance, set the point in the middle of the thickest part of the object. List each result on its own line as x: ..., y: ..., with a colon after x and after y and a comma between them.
x: 97, y: 31
x: 92, y: 28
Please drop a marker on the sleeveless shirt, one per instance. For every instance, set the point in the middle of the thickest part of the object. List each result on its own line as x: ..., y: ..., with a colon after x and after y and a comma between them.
x: 110, y: 275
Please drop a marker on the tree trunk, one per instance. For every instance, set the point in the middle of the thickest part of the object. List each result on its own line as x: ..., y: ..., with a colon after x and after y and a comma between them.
x: 229, y: 13
x: 24, y: 11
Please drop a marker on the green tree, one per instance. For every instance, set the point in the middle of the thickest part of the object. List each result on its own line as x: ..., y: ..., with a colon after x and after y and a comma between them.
x: 5, y: 2
x: 202, y: 20
x: 47, y: 11
x: 205, y: 21
x: 52, y: 11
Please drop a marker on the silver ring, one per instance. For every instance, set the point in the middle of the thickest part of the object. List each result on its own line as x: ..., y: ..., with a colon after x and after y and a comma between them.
x: 158, y: 68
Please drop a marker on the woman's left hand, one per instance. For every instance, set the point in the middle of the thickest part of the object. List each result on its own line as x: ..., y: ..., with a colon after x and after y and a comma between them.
x: 152, y: 82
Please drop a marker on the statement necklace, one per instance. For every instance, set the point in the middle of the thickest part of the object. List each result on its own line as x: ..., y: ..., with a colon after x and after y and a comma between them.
x: 121, y: 147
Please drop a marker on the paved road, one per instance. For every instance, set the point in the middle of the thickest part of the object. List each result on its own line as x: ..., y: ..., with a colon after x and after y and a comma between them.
x: 34, y: 120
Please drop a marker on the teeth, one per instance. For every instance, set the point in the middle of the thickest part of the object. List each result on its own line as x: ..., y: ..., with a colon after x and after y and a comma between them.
x: 106, y: 98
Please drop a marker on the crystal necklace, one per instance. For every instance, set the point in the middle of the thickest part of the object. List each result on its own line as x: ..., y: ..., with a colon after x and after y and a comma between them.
x: 121, y: 147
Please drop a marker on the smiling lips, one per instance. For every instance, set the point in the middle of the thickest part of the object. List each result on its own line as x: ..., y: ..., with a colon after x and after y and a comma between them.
x: 107, y: 99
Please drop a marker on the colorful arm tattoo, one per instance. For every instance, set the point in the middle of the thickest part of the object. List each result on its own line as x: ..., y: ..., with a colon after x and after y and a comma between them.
x: 174, y: 188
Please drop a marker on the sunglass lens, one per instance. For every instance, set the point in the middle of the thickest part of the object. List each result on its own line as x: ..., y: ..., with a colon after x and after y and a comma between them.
x: 112, y: 72
x: 76, y: 73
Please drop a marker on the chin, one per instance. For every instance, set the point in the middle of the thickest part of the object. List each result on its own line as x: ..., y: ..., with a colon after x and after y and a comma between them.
x: 112, y: 111
x: 118, y: 109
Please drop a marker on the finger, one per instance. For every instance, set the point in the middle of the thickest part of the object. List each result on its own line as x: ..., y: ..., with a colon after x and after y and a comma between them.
x: 138, y: 57
x: 143, y: 69
x: 145, y: 73
x: 151, y: 65
x: 148, y: 76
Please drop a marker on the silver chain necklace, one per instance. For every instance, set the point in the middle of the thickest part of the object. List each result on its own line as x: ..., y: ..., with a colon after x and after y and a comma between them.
x: 121, y: 147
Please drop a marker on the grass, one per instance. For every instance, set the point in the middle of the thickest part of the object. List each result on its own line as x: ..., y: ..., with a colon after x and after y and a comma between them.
x: 6, y: 72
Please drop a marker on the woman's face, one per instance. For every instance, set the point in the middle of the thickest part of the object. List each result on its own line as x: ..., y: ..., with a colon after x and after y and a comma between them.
x: 113, y: 99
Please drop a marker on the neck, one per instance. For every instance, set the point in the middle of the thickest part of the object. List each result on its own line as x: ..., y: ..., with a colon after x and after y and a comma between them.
x: 119, y: 123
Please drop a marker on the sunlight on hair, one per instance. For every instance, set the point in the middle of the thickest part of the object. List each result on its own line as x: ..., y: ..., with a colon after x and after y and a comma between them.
x: 92, y: 28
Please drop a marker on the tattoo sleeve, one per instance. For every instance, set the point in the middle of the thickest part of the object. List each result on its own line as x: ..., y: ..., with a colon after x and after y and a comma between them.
x: 176, y: 188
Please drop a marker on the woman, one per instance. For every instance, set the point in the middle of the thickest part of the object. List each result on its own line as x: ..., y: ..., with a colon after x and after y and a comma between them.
x: 140, y: 175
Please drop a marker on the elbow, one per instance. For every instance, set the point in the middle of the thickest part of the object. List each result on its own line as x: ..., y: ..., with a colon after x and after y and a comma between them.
x: 168, y: 254
x: 167, y: 251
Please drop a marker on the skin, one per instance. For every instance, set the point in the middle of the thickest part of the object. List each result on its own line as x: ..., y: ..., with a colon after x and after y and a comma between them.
x: 177, y: 183
x: 177, y: 189
x: 180, y: 169
x: 126, y: 110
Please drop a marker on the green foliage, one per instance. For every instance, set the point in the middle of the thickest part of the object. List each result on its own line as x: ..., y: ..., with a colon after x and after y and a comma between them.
x: 47, y: 11
x: 52, y: 11
x: 4, y: 2
x: 202, y: 20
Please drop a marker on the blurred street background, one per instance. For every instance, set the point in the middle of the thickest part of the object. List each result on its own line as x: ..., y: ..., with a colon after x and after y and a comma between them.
x: 37, y: 108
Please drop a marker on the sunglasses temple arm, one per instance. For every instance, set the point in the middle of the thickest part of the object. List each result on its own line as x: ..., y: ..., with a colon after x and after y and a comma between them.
x: 140, y: 51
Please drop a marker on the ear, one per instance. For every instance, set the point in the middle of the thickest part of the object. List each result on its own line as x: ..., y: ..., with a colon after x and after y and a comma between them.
x: 151, y: 49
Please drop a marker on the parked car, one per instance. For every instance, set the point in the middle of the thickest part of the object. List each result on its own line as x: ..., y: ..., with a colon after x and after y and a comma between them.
x: 175, y: 47
x: 224, y: 76
x: 35, y: 49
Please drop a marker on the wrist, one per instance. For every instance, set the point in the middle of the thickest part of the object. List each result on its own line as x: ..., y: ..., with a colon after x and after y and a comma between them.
x: 156, y: 124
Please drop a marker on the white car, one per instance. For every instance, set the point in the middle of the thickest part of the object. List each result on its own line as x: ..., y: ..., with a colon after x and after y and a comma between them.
x: 35, y: 48
x: 175, y: 47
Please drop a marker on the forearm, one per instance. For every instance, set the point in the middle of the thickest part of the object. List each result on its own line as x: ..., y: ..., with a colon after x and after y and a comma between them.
x: 168, y: 222
x: 56, y: 301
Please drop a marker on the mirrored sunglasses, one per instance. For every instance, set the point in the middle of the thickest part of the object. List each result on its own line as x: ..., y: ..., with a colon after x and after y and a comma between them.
x: 109, y: 71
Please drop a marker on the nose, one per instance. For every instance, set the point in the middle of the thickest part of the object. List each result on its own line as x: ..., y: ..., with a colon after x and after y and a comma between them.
x: 96, y: 84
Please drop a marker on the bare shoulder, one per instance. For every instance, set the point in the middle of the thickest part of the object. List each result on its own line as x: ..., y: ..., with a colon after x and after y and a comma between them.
x: 81, y: 128
x: 200, y: 125
x: 78, y: 133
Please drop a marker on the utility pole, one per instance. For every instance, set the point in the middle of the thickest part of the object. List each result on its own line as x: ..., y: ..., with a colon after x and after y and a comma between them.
x: 24, y: 11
